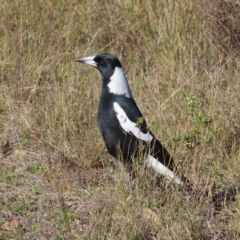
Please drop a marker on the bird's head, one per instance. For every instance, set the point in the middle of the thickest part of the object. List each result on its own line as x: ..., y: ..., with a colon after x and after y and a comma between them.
x: 114, y: 79
x: 105, y: 63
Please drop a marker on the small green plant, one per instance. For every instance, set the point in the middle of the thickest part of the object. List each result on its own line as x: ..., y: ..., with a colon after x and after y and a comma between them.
x: 34, y: 227
x: 36, y: 168
x: 7, y: 179
x: 140, y: 121
x: 200, y: 126
x: 57, y: 237
x: 191, y: 102
x: 196, y: 115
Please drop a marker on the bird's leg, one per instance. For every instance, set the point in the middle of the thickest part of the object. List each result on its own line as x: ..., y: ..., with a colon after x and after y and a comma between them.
x: 132, y: 174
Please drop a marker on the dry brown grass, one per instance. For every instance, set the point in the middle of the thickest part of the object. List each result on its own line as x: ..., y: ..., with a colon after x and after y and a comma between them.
x: 57, y: 180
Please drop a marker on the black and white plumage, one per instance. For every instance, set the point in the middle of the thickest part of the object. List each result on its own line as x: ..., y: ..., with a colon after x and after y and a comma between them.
x: 121, y: 123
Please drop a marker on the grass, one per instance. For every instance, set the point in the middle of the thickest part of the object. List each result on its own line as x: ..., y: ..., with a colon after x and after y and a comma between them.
x: 57, y: 179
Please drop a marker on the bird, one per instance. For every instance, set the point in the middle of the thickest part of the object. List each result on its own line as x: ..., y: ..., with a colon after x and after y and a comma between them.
x: 122, y: 125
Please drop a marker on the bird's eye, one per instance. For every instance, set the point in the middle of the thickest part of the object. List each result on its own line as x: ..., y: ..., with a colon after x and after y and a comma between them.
x: 101, y: 61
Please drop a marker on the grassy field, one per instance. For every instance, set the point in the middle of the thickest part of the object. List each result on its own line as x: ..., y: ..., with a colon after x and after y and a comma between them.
x: 57, y: 180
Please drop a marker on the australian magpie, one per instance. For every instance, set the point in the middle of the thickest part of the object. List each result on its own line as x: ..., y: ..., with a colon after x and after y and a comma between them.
x: 121, y: 123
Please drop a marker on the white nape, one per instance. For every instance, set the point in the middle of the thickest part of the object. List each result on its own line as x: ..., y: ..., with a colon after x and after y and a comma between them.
x: 119, y: 83
x: 129, y: 126
x: 152, y: 162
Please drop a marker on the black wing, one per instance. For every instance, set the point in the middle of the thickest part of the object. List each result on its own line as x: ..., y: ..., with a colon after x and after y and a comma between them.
x: 154, y: 147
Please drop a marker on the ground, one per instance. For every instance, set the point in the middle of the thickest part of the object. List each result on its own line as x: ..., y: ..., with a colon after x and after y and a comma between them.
x: 57, y: 180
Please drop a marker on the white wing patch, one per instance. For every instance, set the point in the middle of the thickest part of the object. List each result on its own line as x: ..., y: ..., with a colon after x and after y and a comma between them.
x: 129, y: 126
x: 161, y: 169
x: 119, y: 83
